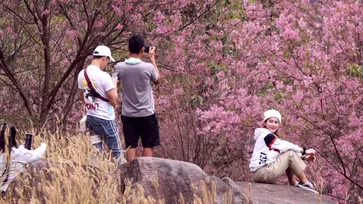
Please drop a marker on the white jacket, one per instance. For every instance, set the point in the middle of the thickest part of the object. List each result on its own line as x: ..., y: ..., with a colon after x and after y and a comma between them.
x: 19, y: 157
x: 268, y: 147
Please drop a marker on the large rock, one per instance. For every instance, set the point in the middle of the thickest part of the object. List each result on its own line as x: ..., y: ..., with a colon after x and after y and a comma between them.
x: 280, y: 194
x: 161, y: 179
x: 168, y: 179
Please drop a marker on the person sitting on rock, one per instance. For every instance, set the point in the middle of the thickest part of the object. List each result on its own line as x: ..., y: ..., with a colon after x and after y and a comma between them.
x: 273, y: 156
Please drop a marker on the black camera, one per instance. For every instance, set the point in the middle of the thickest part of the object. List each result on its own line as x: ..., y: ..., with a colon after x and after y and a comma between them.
x: 147, y: 49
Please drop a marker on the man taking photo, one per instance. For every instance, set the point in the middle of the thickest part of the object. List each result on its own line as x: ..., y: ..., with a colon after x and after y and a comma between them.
x: 138, y: 108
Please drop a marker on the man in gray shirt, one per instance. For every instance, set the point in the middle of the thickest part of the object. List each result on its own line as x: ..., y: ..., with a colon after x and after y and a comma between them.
x: 138, y: 109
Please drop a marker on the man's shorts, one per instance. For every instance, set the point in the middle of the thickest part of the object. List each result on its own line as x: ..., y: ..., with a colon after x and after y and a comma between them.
x: 145, y: 127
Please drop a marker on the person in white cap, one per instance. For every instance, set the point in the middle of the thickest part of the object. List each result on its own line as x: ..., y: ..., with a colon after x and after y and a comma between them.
x: 272, y: 157
x: 99, y: 94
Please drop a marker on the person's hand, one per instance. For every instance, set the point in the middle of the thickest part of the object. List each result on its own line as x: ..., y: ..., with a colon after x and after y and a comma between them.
x: 311, y: 158
x: 310, y: 152
x: 152, y: 53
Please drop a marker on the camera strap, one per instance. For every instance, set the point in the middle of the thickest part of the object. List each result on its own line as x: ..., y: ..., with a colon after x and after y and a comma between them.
x: 92, y: 89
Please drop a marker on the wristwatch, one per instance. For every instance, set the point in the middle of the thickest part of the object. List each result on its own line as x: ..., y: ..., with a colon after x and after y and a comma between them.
x: 304, y: 151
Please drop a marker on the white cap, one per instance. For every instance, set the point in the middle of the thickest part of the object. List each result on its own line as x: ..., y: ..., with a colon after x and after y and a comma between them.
x: 103, y: 51
x: 272, y: 113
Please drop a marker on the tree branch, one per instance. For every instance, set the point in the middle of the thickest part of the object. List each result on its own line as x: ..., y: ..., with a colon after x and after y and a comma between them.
x: 16, y: 83
x: 70, y: 100
x: 45, y: 36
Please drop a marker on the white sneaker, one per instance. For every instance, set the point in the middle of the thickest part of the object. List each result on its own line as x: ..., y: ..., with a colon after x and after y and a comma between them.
x: 307, y: 186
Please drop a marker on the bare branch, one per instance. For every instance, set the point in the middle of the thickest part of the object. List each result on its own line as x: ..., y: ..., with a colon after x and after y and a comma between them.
x: 11, y: 76
x: 16, y: 14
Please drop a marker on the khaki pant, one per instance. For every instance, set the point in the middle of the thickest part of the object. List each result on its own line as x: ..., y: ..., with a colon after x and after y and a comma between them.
x: 271, y: 172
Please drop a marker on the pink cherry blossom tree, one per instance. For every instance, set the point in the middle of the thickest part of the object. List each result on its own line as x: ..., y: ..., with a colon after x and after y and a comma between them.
x: 303, y: 58
x: 45, y: 44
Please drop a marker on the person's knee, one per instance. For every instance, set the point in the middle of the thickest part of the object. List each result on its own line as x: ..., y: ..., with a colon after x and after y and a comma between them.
x: 131, y: 145
x: 291, y: 156
x: 291, y: 153
x: 148, y: 152
x: 130, y: 154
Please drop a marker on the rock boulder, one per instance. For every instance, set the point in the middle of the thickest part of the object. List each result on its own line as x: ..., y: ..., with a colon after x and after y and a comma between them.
x: 280, y: 194
x: 168, y: 179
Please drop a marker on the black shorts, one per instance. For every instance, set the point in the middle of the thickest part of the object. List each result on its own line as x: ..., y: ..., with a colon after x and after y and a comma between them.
x: 145, y: 127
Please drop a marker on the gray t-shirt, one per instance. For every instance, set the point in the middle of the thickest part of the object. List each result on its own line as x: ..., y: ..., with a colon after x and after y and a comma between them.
x: 137, y: 96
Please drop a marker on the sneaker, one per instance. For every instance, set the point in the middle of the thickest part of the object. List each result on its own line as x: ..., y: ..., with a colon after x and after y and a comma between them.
x: 307, y: 186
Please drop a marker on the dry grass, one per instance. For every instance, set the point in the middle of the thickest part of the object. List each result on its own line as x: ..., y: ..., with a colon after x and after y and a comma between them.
x: 70, y: 179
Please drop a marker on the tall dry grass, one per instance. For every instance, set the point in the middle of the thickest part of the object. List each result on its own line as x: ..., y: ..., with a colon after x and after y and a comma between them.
x: 79, y: 175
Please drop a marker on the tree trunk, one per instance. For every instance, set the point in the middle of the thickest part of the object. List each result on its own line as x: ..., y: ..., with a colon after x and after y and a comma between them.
x: 71, y: 97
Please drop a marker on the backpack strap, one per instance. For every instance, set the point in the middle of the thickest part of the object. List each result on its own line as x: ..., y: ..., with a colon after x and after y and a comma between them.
x: 92, y: 89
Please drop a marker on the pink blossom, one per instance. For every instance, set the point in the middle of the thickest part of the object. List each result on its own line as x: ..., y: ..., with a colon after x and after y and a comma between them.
x: 46, y: 12
x: 72, y: 33
x: 119, y: 27
x: 9, y: 29
x: 99, y: 23
x: 178, y: 91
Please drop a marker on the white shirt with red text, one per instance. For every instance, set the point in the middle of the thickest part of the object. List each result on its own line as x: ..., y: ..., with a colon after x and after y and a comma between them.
x: 102, y: 82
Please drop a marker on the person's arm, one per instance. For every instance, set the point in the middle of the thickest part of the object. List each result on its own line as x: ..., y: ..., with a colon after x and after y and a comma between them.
x: 115, y: 80
x: 275, y: 143
x: 112, y: 96
x: 156, y: 79
x: 80, y: 87
x: 111, y: 90
x: 116, y: 76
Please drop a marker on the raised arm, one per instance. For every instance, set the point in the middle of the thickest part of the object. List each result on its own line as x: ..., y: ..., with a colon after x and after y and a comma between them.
x: 153, y: 61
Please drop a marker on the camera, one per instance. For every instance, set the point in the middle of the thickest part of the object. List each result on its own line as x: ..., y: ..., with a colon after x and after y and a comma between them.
x: 147, y: 49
